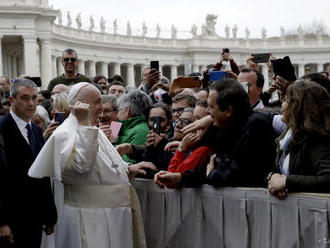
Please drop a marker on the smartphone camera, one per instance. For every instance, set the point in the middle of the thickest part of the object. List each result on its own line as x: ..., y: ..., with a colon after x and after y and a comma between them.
x: 156, y: 124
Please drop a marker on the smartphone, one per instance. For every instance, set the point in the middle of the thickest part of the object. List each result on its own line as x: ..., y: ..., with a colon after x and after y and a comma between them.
x: 115, y: 128
x: 284, y: 68
x: 156, y: 124
x: 60, y: 117
x: 225, y: 50
x: 36, y: 80
x: 260, y: 57
x: 246, y: 87
x: 217, y: 75
x: 154, y: 65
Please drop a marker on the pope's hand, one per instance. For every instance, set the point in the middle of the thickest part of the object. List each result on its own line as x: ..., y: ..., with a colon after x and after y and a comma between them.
x: 82, y: 112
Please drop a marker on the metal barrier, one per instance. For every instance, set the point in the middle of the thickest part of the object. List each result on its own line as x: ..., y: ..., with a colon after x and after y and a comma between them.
x: 232, y: 217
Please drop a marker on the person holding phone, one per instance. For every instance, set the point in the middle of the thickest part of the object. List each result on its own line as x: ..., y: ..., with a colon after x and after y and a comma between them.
x: 226, y: 56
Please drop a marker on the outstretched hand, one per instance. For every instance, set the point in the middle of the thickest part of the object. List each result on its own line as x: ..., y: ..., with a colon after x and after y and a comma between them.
x: 168, y: 179
x: 203, y: 123
x: 139, y: 168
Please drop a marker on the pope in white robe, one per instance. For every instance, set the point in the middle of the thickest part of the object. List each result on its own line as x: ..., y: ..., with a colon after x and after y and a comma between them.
x: 99, y: 208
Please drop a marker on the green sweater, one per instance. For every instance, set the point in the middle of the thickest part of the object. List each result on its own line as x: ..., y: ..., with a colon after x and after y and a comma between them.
x: 67, y: 81
x: 133, y: 131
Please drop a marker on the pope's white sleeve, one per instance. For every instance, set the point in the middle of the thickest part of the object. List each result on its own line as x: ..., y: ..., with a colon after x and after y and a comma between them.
x: 85, y: 149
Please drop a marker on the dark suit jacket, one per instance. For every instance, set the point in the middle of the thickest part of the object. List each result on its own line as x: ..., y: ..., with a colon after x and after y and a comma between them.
x: 25, y: 199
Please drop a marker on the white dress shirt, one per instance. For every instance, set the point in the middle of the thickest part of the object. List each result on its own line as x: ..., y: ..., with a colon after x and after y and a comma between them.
x: 21, y: 124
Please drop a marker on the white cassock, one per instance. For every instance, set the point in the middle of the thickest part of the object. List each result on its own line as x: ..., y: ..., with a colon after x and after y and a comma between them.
x: 99, y: 207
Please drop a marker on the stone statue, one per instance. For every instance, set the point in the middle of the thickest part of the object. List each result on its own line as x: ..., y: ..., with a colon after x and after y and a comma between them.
x: 282, y: 30
x: 128, y: 29
x: 174, y: 32
x: 158, y: 31
x: 320, y: 30
x: 300, y: 31
x: 92, y: 23
x: 59, y: 18
x: 247, y: 33
x: 194, y: 31
x: 78, y: 21
x: 102, y: 25
x: 227, y: 30
x: 263, y: 33
x: 69, y: 19
x: 209, y: 26
x: 144, y: 29
x: 115, y: 26
x: 235, y: 31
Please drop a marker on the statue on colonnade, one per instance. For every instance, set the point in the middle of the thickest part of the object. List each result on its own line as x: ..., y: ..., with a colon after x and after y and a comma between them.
x: 193, y: 31
x: 235, y: 31
x: 174, y: 32
x: 158, y: 30
x: 92, y: 23
x: 227, y: 30
x: 263, y: 33
x: 144, y: 29
x: 115, y: 26
x: 247, y: 33
x: 59, y: 18
x: 128, y: 29
x: 102, y: 25
x: 78, y: 21
x: 69, y: 20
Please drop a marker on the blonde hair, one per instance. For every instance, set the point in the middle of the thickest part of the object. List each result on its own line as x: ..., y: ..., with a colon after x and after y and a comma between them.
x: 60, y: 103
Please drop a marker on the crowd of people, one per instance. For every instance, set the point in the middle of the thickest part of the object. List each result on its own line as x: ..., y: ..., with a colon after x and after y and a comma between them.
x: 95, y: 135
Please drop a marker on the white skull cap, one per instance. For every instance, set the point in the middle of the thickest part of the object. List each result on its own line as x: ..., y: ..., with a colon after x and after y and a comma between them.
x: 75, y: 89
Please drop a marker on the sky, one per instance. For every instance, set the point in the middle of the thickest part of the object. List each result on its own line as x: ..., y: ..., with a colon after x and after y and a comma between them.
x: 184, y: 13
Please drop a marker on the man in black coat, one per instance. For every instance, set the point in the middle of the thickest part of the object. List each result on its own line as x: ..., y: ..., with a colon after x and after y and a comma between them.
x: 27, y: 204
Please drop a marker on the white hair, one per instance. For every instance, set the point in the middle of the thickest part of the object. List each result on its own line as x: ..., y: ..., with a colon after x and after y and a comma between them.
x: 42, y: 113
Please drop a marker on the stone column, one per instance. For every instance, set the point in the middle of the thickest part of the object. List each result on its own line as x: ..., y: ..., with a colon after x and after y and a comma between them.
x: 116, y: 69
x: 130, y: 75
x: 9, y: 67
x: 174, y: 72
x: 301, y: 70
x: 1, y: 65
x: 60, y: 68
x: 20, y: 66
x: 266, y: 76
x: 46, y: 62
x: 104, y: 69
x: 187, y: 67
x: 91, y: 69
x: 195, y: 68
x: 81, y: 66
x: 13, y: 66
x: 5, y: 65
x: 30, y: 56
x: 54, y: 67
x: 320, y: 67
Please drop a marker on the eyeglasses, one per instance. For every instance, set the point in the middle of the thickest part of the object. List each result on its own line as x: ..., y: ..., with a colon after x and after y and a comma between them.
x: 184, y: 122
x: 69, y: 60
x: 178, y: 110
x: 152, y: 119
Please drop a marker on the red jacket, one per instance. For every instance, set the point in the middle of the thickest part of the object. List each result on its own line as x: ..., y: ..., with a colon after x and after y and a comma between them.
x: 198, y: 158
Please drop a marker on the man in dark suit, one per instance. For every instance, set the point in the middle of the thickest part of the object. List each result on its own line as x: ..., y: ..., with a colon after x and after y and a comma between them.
x: 27, y: 204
